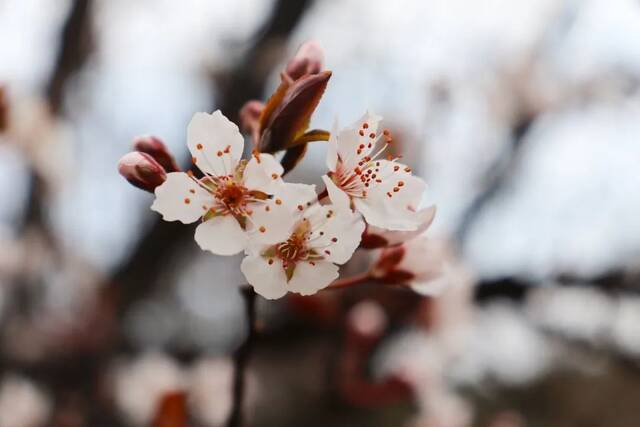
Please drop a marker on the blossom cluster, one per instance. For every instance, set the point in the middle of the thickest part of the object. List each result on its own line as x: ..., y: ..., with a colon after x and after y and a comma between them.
x: 294, y: 238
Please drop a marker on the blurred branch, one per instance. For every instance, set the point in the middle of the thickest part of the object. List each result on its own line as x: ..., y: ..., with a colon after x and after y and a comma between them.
x: 502, y: 172
x: 75, y: 46
x: 73, y: 53
x: 241, y: 358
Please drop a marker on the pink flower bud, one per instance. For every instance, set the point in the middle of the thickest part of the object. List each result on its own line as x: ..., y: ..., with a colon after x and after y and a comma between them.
x: 4, y: 109
x: 141, y: 170
x: 309, y: 59
x: 154, y: 147
x: 250, y: 115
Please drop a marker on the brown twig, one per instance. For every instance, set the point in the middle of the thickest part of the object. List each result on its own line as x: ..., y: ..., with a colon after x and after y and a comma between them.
x: 241, y: 358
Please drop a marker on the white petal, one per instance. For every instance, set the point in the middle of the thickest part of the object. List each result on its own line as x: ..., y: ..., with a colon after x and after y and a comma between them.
x: 296, y: 194
x: 394, y: 210
x: 221, y: 235
x: 180, y: 198
x: 271, y: 222
x: 425, y: 257
x: 264, y: 174
x: 308, y: 279
x: 338, y: 235
x: 339, y: 198
x: 431, y: 288
x: 332, y: 149
x: 269, y: 280
x: 425, y: 216
x: 372, y: 119
x: 208, y: 136
x: 350, y: 141
x: 379, y: 214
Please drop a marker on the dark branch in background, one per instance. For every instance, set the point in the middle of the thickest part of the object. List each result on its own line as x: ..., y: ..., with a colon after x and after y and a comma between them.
x: 247, y: 80
x: 75, y: 46
x: 241, y: 359
x: 71, y: 375
x: 503, y: 167
x: 73, y: 53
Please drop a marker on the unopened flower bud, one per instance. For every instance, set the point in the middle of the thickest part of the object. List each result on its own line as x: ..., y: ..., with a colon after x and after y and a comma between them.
x: 250, y: 118
x: 4, y: 109
x: 142, y: 170
x: 157, y: 149
x: 416, y: 263
x: 309, y: 59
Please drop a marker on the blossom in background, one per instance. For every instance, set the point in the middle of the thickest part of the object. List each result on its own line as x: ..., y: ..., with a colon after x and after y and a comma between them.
x: 22, y: 403
x: 302, y: 257
x: 376, y: 237
x: 230, y: 191
x: 140, y: 384
x: 384, y: 191
x: 420, y: 263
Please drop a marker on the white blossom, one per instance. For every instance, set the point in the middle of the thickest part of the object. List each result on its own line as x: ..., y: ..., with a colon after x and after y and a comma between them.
x: 22, y: 403
x: 423, y: 264
x: 230, y: 191
x: 384, y: 191
x: 140, y: 384
x: 300, y: 256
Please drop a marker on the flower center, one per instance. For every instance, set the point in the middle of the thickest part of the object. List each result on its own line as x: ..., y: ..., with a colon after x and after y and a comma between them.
x: 291, y: 250
x: 231, y: 195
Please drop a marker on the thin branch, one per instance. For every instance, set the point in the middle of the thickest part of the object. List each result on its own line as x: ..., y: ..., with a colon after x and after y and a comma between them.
x: 241, y: 358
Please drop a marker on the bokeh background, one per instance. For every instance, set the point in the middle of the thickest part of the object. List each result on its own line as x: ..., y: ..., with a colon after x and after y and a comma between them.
x: 523, y: 117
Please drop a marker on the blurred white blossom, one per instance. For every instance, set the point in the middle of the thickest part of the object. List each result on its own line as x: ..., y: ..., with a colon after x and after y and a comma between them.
x: 22, y: 403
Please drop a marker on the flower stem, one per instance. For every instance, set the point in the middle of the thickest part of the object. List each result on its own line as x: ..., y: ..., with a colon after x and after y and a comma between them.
x: 345, y: 282
x: 241, y: 358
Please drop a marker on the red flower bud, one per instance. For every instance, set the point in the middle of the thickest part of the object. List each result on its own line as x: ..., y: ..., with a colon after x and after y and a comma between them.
x: 141, y: 170
x: 154, y: 147
x: 309, y: 59
x: 4, y: 109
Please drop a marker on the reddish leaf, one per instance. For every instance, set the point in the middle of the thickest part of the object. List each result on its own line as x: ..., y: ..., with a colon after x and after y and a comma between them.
x: 290, y: 119
x: 292, y: 157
